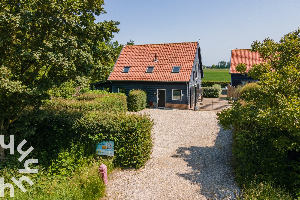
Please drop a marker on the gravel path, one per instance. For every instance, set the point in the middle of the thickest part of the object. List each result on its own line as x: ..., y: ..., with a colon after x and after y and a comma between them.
x: 190, y: 160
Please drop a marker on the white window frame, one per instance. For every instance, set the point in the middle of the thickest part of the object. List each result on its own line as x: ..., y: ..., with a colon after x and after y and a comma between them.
x: 173, y: 95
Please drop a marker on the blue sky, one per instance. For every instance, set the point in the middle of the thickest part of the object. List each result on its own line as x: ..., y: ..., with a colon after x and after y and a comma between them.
x: 221, y: 25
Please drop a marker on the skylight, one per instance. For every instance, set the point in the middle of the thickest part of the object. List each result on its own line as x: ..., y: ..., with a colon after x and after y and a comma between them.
x: 176, y: 69
x: 126, y: 70
x: 149, y: 69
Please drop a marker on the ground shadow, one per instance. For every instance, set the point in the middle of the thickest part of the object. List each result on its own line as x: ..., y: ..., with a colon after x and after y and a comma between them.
x: 211, y: 167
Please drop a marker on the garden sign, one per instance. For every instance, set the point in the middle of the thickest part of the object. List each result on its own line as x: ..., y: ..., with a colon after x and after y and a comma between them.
x: 105, y: 148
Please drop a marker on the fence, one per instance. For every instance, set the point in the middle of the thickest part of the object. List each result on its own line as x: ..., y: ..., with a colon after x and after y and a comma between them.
x: 231, y: 92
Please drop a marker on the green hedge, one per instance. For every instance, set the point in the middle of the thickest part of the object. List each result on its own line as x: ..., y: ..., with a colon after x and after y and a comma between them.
x: 77, y: 133
x: 211, y: 83
x: 112, y: 102
x: 257, y: 158
x: 218, y: 87
x: 137, y: 100
x: 130, y: 133
x: 211, y: 92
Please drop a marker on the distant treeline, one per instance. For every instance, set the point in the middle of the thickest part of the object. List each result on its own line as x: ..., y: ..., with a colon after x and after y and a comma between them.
x: 221, y: 64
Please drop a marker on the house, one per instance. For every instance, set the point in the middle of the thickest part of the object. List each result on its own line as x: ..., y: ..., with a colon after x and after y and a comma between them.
x: 242, y: 56
x: 170, y: 73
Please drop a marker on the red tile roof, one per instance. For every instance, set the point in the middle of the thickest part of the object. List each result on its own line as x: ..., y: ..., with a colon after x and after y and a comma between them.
x: 243, y: 56
x: 139, y: 57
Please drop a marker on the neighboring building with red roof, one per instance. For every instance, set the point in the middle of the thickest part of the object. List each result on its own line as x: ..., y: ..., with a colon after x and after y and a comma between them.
x: 243, y: 56
x: 170, y: 73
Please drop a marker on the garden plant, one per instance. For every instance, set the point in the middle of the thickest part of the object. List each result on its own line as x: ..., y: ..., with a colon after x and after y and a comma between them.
x: 266, y: 122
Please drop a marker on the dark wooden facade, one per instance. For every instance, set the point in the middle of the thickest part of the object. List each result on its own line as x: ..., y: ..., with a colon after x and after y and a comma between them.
x: 152, y: 89
x: 240, y: 79
x: 102, y: 86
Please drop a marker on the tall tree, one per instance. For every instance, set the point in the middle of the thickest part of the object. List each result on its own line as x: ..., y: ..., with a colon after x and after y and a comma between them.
x: 45, y: 43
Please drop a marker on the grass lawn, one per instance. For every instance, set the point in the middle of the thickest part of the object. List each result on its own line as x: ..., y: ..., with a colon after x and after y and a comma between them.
x: 216, y: 75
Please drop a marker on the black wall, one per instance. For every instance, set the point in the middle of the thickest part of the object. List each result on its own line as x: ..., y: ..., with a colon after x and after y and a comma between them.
x: 236, y: 79
x: 151, y: 88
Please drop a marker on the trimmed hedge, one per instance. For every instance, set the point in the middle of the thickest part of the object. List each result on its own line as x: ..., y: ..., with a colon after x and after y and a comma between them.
x: 137, y: 100
x: 211, y: 83
x: 130, y: 133
x: 63, y: 130
x: 212, y: 92
x: 60, y: 125
x: 111, y: 102
x: 218, y: 87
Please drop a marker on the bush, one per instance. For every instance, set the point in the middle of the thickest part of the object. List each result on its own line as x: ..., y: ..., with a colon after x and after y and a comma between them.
x: 258, y: 150
x: 218, y: 87
x: 76, y: 131
x: 64, y: 138
x: 130, y: 133
x: 211, y: 83
x: 248, y: 91
x: 111, y: 102
x: 137, y: 100
x: 211, y: 92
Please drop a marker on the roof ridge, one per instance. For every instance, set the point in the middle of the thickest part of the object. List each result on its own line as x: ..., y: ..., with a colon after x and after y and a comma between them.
x: 159, y: 44
x: 240, y: 49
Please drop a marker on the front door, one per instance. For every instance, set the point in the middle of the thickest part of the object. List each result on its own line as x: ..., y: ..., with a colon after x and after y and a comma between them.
x: 161, y: 98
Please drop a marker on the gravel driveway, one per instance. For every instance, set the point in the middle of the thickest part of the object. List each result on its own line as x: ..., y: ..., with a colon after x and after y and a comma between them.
x: 190, y: 160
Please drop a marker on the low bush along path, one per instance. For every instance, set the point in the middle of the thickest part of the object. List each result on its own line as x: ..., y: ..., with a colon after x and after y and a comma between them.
x: 191, y: 159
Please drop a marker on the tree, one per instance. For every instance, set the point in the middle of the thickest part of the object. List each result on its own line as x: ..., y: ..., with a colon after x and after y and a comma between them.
x: 222, y: 64
x: 228, y: 65
x: 131, y: 42
x: 46, y: 43
x: 268, y: 115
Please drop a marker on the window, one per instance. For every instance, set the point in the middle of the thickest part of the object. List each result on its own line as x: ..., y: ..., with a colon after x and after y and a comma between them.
x: 126, y: 70
x: 149, y: 69
x: 176, y: 94
x: 176, y: 69
x: 121, y: 90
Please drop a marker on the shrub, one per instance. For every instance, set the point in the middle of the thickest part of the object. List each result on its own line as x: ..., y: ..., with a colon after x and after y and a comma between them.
x: 130, y: 133
x: 137, y: 100
x: 112, y: 102
x: 75, y: 131
x: 259, y: 150
x: 211, y: 92
x: 218, y: 87
x: 211, y: 83
x: 248, y: 91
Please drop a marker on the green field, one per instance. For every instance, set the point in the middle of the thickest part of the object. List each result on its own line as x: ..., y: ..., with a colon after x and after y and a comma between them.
x: 216, y: 75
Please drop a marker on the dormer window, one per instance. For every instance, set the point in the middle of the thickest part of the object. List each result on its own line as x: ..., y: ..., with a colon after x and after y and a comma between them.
x: 176, y: 69
x: 126, y: 70
x: 149, y: 69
